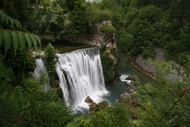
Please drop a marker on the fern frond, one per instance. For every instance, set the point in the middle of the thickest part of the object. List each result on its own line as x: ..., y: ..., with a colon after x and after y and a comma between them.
x: 33, y: 40
x: 18, y: 39
x: 9, y: 21
x: 21, y: 40
x: 38, y: 39
x: 15, y: 40
x: 7, y: 40
x: 2, y: 16
x: 3, y: 88
x: 1, y: 38
x: 28, y: 40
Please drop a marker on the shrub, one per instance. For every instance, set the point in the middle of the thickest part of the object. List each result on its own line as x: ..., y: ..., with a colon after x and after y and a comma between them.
x: 108, y: 67
x: 107, y: 29
x: 95, y: 14
x: 50, y: 54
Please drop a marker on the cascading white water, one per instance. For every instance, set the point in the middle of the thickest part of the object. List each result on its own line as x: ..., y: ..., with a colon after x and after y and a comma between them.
x: 80, y: 75
x: 41, y: 72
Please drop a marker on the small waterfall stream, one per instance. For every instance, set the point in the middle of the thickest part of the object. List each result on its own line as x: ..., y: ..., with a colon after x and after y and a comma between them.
x: 80, y: 75
x: 40, y: 73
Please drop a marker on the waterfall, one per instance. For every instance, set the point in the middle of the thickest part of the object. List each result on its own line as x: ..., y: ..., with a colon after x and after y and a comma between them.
x: 80, y: 75
x: 40, y: 73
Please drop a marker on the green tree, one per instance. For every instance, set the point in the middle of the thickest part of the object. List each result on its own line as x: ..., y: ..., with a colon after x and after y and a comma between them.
x: 21, y: 64
x: 179, y: 11
x: 50, y: 64
x: 34, y: 107
x: 78, y: 22
x: 108, y: 67
x: 53, y: 19
x: 161, y: 104
x: 97, y: 15
x: 26, y: 12
x: 144, y: 29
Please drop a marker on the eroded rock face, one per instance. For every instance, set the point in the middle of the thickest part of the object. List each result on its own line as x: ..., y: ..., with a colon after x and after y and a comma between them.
x: 97, y: 38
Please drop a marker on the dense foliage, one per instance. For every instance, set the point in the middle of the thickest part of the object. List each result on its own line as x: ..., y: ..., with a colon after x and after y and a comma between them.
x: 23, y: 101
x: 50, y: 54
x: 152, y: 24
x: 14, y: 45
x: 33, y: 107
x: 108, y: 67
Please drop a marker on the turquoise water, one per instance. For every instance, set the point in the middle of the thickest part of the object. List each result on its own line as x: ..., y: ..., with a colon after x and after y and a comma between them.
x: 118, y: 88
x: 115, y: 89
x: 129, y: 69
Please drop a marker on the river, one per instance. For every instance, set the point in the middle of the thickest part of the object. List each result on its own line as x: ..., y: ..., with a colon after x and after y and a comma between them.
x: 117, y: 88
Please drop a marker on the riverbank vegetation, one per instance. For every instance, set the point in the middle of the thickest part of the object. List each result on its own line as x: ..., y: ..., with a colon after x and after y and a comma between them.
x: 140, y: 27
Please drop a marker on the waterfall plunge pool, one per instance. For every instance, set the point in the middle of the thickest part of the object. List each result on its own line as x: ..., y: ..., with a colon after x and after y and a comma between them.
x: 116, y: 88
x: 84, y: 73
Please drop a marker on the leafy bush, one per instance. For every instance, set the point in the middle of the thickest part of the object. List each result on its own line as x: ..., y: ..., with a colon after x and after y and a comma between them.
x: 108, y: 67
x: 9, y: 113
x: 124, y: 41
x: 117, y: 115
x: 50, y: 64
x: 107, y: 29
x: 34, y: 107
x: 21, y: 63
x: 96, y: 15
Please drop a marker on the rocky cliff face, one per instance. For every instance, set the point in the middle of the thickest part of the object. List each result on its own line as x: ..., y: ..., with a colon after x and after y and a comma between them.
x: 98, y: 38
x: 94, y: 37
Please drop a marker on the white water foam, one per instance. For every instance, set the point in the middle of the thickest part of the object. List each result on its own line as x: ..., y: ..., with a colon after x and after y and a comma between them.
x: 39, y: 71
x: 80, y: 75
x: 123, y: 78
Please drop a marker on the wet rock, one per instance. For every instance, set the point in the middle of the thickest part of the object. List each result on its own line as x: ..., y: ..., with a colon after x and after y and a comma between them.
x: 129, y: 83
x: 117, y: 78
x: 128, y: 99
x: 131, y: 90
x: 131, y: 78
x: 38, y: 54
x: 94, y: 107
x: 89, y: 100
x: 102, y: 105
x: 125, y: 95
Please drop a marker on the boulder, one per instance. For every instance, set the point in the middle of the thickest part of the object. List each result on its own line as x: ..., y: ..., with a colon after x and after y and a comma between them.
x: 128, y: 99
x: 131, y: 78
x: 131, y: 89
x: 125, y: 95
x: 129, y: 83
x: 103, y: 104
x: 89, y: 100
x: 94, y: 107
x: 38, y: 54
